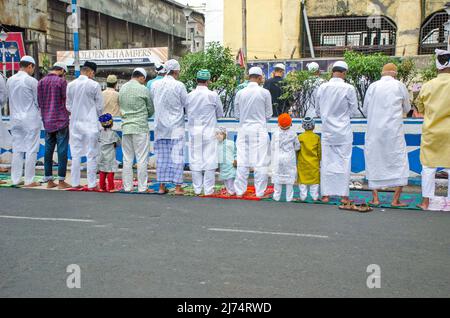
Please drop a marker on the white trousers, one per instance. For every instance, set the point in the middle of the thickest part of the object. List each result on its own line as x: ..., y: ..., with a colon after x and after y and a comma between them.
x: 91, y: 171
x: 229, y: 185
x: 17, y: 167
x: 204, y: 181
x: 289, y: 192
x: 313, y: 189
x: 241, y: 182
x: 135, y: 146
x: 429, y: 182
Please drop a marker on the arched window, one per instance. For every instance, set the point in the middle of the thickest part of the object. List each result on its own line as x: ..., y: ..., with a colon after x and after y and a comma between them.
x: 432, y: 33
x: 332, y: 36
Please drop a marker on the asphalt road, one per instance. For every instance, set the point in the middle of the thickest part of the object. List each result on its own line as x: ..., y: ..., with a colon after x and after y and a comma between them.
x: 153, y: 246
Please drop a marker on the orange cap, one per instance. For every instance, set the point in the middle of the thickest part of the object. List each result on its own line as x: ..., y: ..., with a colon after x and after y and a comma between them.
x: 284, y: 120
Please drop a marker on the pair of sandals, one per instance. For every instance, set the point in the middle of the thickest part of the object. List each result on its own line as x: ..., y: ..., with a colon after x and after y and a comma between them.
x: 351, y: 206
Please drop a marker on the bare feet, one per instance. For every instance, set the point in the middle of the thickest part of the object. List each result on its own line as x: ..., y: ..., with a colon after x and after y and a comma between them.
x: 62, y: 185
x: 179, y: 190
x: 51, y: 184
x: 32, y: 185
x: 425, y: 204
x: 374, y: 202
x: 325, y: 199
x: 2, y: 182
x: 3, y: 170
x: 399, y: 204
x: 78, y: 187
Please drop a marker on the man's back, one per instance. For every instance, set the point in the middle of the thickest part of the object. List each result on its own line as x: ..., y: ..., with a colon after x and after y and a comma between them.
x: 52, y: 102
x: 85, y: 103
x: 273, y: 85
x: 22, y: 93
x: 204, y: 107
x: 170, y: 99
x: 253, y: 105
x: 136, y: 108
x: 335, y: 103
x: 111, y: 101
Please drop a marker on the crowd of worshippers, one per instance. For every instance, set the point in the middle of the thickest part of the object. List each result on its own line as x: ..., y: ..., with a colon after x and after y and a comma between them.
x: 81, y: 115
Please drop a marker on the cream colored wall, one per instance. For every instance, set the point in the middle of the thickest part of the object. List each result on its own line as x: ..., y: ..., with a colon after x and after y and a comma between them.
x: 274, y: 25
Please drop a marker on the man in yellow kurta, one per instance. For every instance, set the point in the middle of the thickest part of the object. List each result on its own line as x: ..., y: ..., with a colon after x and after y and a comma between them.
x: 308, y: 161
x: 434, y: 103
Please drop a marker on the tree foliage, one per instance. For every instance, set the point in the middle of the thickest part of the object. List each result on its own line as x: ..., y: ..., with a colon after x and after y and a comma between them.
x: 298, y: 92
x: 364, y: 69
x: 225, y: 74
x: 430, y: 72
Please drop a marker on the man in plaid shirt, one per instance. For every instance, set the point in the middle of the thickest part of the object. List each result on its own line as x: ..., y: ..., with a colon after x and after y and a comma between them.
x: 52, y: 102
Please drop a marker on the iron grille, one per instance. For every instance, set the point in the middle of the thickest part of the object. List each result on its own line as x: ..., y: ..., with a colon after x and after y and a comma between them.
x: 432, y: 33
x: 333, y: 36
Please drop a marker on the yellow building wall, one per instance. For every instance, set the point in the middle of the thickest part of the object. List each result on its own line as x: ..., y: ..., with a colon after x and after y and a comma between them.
x: 273, y: 26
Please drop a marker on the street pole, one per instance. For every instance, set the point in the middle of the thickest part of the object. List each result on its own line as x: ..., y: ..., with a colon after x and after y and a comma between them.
x: 244, y: 32
x: 76, y: 38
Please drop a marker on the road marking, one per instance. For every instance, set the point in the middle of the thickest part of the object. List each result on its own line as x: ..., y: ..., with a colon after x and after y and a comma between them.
x: 271, y: 233
x: 45, y: 219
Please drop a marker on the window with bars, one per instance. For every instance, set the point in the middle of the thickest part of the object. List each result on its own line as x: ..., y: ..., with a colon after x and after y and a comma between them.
x: 332, y: 36
x: 432, y: 33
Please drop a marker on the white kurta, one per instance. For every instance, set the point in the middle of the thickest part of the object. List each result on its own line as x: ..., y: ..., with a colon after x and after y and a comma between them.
x: 25, y: 116
x: 284, y: 145
x: 336, y: 102
x: 204, y: 107
x: 253, y: 107
x: 5, y: 137
x: 170, y: 100
x: 385, y: 150
x: 85, y: 103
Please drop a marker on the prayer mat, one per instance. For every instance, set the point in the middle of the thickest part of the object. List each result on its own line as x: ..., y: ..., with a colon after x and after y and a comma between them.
x: 361, y: 197
x: 7, y: 178
x: 248, y: 196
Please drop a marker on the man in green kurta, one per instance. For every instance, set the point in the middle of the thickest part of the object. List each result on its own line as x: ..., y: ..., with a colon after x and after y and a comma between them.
x: 136, y: 107
x: 434, y: 103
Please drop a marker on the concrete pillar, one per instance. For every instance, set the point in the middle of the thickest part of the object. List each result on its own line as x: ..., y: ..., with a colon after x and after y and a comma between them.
x: 408, y: 19
x: 290, y: 28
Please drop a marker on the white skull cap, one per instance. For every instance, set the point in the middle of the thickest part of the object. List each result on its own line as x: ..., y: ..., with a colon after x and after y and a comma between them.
x: 28, y: 59
x: 172, y: 65
x: 256, y: 70
x: 141, y: 70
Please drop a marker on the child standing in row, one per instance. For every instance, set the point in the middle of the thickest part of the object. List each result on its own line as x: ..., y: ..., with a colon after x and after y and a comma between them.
x: 107, y: 164
x: 227, y: 160
x: 308, y: 162
x: 284, y: 145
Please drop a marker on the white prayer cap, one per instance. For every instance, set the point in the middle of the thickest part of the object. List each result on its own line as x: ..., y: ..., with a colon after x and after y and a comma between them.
x: 61, y: 65
x: 341, y: 64
x: 141, y: 70
x: 172, y: 65
x: 162, y: 69
x: 28, y: 59
x: 256, y: 70
x: 313, y: 67
x: 442, y: 59
x: 281, y: 66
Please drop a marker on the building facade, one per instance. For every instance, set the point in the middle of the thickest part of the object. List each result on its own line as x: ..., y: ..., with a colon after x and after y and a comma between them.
x: 276, y: 28
x: 103, y: 24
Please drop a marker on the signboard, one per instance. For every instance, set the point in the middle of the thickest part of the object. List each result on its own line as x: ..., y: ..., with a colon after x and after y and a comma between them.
x: 16, y: 39
x: 144, y: 56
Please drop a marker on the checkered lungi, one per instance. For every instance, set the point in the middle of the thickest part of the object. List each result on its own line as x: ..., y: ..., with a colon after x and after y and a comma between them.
x: 169, y: 160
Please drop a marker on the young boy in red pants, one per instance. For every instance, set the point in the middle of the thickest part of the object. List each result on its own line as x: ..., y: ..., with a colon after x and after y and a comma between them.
x: 107, y: 164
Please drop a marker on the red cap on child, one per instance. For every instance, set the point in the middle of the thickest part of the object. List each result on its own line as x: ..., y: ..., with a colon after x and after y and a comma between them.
x: 284, y: 120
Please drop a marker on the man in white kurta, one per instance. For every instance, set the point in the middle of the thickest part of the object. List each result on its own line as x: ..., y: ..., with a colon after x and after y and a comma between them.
x: 26, y: 122
x: 336, y: 101
x: 170, y: 99
x: 5, y: 137
x: 314, y: 83
x: 385, y: 104
x: 253, y: 108
x: 85, y: 103
x: 203, y: 109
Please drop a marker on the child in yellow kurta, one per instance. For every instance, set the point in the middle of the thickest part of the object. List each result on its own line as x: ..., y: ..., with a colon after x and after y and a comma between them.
x: 308, y: 161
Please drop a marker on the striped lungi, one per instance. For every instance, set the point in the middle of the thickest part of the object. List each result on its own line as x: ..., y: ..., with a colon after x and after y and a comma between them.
x: 169, y: 160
